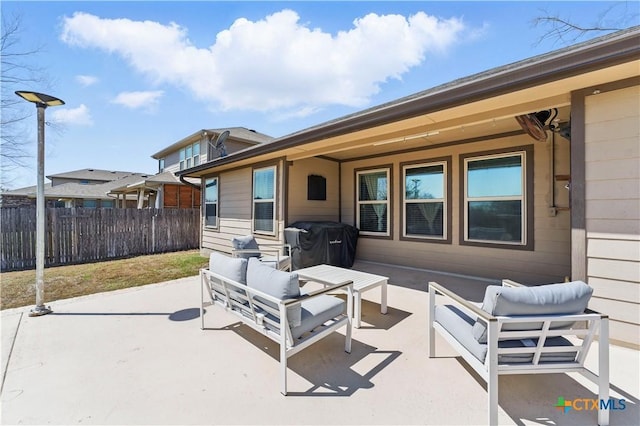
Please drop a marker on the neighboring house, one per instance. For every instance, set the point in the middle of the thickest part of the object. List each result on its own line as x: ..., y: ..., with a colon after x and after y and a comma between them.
x: 165, y: 190
x: 447, y: 179
x: 80, y: 188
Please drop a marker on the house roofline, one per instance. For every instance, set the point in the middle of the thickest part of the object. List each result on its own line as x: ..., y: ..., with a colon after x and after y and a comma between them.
x: 603, y: 52
x: 197, y: 136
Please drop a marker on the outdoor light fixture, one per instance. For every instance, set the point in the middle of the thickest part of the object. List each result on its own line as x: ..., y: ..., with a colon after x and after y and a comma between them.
x: 42, y: 101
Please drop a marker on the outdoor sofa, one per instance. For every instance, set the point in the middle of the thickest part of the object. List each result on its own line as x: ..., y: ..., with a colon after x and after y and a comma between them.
x: 523, y: 330
x: 271, y: 302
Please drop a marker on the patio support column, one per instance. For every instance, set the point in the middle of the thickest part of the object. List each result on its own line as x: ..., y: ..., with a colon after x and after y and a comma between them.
x: 577, y: 189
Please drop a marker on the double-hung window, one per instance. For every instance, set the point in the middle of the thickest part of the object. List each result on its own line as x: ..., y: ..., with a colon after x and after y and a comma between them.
x: 425, y: 204
x: 211, y: 202
x: 373, y: 205
x: 495, y: 201
x: 190, y: 156
x: 264, y: 200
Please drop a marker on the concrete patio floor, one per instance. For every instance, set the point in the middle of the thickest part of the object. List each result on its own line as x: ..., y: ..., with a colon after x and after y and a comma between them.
x: 138, y: 356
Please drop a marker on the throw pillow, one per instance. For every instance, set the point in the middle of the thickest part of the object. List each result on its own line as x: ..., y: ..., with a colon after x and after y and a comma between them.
x: 233, y: 268
x: 279, y: 284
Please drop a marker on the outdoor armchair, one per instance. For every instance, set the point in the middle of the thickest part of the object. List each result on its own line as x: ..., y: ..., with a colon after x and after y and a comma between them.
x: 278, y: 255
x: 523, y: 330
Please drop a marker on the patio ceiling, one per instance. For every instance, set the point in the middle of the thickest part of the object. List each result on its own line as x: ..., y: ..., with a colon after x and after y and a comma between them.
x: 463, y: 123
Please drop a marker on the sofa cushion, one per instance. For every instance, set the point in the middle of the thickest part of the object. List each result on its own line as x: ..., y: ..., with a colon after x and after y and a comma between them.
x: 233, y: 268
x: 279, y: 284
x: 245, y: 243
x: 552, y: 299
x: 316, y: 311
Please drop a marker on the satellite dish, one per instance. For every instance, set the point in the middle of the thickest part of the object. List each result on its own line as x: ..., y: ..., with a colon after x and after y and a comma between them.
x: 218, y: 145
x: 534, y: 124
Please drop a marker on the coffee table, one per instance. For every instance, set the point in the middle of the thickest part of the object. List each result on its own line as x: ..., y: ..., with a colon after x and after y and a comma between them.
x: 362, y: 281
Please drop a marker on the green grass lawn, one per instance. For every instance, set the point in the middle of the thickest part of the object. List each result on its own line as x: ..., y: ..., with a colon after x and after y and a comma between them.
x: 63, y: 282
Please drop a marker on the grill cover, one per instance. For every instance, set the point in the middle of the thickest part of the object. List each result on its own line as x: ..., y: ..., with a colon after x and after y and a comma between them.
x: 315, y: 243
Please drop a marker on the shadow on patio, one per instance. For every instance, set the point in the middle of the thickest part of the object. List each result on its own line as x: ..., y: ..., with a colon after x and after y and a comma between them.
x: 138, y: 356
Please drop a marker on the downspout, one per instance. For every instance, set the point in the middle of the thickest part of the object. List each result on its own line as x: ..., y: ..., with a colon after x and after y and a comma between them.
x: 186, y: 182
x: 553, y: 211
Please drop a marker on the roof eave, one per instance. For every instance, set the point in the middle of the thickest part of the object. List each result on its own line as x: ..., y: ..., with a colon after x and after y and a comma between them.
x: 530, y: 73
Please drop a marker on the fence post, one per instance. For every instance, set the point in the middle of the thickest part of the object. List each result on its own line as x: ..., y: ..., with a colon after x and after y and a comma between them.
x: 153, y: 232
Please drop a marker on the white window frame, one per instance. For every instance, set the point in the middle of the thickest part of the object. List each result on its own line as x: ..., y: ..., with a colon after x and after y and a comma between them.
x: 255, y: 201
x: 443, y: 200
x: 522, y: 198
x: 191, y: 160
x: 387, y: 171
x: 216, y: 202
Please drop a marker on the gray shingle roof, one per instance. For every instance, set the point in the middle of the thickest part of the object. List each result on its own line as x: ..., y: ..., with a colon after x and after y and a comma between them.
x: 79, y: 190
x: 91, y: 174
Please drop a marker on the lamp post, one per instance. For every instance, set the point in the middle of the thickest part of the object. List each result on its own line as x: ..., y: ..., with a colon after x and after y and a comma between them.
x: 42, y: 101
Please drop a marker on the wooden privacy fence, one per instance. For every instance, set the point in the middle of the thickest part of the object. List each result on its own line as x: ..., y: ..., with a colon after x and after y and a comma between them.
x: 83, y: 235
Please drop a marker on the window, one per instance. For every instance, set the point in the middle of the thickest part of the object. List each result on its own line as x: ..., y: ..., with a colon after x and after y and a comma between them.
x: 107, y: 203
x: 196, y: 154
x: 264, y: 200
x: 89, y: 204
x: 495, y: 209
x: 190, y: 156
x: 161, y: 165
x: 211, y: 202
x: 424, y: 206
x: 372, y: 212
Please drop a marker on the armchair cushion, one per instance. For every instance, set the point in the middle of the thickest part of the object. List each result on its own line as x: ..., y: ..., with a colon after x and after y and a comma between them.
x: 460, y: 325
x: 246, y: 243
x: 552, y: 299
x: 233, y: 268
x: 279, y: 284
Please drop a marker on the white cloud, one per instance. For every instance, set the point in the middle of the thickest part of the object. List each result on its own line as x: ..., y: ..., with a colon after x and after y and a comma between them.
x: 274, y: 64
x: 86, y: 80
x: 139, y: 100
x: 74, y: 116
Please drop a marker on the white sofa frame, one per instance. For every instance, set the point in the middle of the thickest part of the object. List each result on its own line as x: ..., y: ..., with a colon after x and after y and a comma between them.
x: 491, y: 368
x: 248, y: 304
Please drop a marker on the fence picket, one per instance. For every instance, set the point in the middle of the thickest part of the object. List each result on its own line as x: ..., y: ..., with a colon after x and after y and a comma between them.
x: 83, y: 235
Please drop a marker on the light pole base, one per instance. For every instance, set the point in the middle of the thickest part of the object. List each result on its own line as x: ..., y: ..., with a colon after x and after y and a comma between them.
x: 39, y: 311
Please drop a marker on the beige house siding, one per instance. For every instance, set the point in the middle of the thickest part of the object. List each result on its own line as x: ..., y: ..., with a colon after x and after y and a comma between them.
x: 235, y: 218
x: 612, y: 155
x: 550, y: 261
x: 302, y: 209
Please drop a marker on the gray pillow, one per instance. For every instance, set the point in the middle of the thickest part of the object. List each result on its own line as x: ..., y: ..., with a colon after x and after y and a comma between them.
x: 552, y: 299
x: 245, y: 243
x: 233, y: 268
x: 279, y: 284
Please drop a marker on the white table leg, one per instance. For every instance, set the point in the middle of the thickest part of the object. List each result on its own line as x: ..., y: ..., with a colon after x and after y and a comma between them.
x: 383, y: 298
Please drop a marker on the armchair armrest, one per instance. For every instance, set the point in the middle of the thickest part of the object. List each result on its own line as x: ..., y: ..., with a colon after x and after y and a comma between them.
x: 437, y: 288
x: 511, y: 283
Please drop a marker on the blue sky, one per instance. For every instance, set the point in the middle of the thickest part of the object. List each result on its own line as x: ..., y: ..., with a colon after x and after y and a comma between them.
x: 139, y: 76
